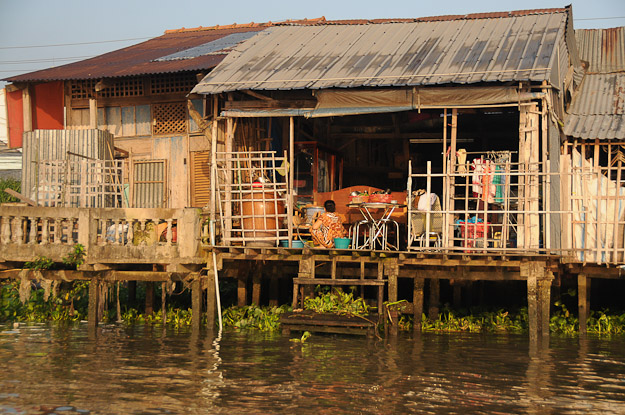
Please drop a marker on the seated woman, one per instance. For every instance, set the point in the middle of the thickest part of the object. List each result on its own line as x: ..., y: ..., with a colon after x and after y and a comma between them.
x: 328, y: 226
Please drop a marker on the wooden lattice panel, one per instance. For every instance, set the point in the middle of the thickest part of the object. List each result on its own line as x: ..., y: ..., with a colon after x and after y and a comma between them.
x: 172, y: 83
x: 82, y: 89
x: 129, y: 87
x: 169, y: 118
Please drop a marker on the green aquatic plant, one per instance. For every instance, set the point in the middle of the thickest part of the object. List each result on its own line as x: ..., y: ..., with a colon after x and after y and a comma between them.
x: 254, y: 317
x: 302, y: 339
x: 12, y: 184
x: 338, y: 302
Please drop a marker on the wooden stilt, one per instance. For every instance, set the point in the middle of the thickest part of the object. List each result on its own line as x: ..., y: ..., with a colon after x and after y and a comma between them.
x: 583, y: 303
x: 417, y: 302
x: 256, y: 282
x: 242, y: 290
x: 196, y: 304
x: 149, y: 297
x: 306, y: 270
x: 211, y: 302
x: 433, y: 307
x: 164, y: 302
x: 94, y: 293
x: 392, y: 270
x: 544, y: 286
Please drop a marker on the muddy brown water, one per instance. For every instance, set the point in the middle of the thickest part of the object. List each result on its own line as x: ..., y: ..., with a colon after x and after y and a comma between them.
x: 67, y: 369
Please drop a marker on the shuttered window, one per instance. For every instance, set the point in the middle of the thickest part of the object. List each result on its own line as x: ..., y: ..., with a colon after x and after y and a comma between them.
x: 200, y: 178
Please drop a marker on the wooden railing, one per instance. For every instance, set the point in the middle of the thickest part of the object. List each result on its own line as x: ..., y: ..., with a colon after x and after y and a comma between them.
x: 108, y: 235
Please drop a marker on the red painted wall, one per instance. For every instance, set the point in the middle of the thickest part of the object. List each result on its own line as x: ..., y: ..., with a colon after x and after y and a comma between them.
x: 48, y: 106
x: 15, y: 120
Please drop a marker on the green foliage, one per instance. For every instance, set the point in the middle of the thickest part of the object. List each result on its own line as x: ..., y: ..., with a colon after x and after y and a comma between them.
x: 70, y: 305
x: 252, y: 316
x: 41, y: 262
x: 338, y: 302
x: 9, y: 184
x: 302, y: 339
x: 76, y: 257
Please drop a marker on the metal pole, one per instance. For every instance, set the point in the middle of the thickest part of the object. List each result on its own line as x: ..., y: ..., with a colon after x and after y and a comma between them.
x: 217, y: 296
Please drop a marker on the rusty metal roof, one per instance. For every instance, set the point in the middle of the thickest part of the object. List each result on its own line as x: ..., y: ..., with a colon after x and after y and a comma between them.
x: 602, y: 50
x: 141, y: 59
x: 598, y: 108
x: 494, y: 47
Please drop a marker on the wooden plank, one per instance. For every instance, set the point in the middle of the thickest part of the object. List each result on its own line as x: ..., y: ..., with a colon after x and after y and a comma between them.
x: 20, y: 197
x: 342, y: 281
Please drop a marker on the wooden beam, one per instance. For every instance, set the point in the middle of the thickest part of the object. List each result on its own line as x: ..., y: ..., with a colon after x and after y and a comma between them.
x: 20, y: 197
x: 417, y: 302
x: 257, y: 95
x: 273, y: 104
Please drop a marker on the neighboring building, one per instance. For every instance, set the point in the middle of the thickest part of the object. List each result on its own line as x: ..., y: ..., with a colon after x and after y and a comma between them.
x: 139, y: 94
x: 10, y: 159
x: 595, y: 146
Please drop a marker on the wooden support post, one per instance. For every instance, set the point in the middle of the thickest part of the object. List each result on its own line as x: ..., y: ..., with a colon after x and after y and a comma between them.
x: 196, y: 304
x: 544, y: 287
x: 392, y: 271
x: 27, y: 109
x: 256, y: 282
x: 132, y: 293
x: 417, y: 302
x: 306, y: 270
x: 242, y: 290
x: 164, y: 302
x: 93, y: 113
x: 538, y: 298
x: 211, y: 302
x: 94, y: 300
x: 149, y: 297
x: 433, y: 307
x: 583, y: 301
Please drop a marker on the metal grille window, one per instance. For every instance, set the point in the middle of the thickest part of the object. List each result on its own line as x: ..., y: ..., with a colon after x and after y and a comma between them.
x: 149, y: 183
x: 168, y: 83
x: 169, y: 118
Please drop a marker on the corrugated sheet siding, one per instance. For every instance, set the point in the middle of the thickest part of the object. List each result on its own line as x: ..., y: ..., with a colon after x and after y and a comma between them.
x: 603, y: 49
x: 504, y: 49
x: 42, y: 145
x: 149, y: 184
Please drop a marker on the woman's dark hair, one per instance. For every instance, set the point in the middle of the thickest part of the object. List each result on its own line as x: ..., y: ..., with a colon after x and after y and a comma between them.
x: 329, y: 206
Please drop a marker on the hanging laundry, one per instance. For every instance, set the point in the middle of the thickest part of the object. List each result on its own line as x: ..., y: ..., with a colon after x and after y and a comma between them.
x: 482, y: 180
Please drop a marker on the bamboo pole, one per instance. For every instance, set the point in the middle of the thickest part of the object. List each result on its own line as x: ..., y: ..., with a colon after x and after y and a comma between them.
x: 291, y: 178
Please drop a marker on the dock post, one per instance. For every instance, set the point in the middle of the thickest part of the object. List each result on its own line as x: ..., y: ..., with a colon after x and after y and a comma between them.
x: 583, y: 301
x: 149, y: 297
x: 94, y: 300
x: 257, y: 277
x: 544, y: 287
x: 196, y: 303
x: 274, y: 290
x: 417, y: 302
x: 242, y: 290
x: 392, y: 267
x: 211, y: 303
x: 538, y: 298
x: 435, y: 289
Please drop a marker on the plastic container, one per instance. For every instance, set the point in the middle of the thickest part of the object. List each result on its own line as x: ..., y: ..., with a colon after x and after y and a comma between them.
x: 294, y: 244
x: 342, y: 243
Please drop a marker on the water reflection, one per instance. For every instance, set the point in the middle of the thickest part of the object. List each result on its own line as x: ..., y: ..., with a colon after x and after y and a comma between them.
x: 148, y: 370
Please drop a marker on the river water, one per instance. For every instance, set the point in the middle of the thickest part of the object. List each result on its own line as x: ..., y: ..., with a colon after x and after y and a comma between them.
x: 68, y: 369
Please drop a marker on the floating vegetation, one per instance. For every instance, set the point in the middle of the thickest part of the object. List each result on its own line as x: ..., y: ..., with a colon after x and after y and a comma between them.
x: 254, y: 317
x: 336, y: 301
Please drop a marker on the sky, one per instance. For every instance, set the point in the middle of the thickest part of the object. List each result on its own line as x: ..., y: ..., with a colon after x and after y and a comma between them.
x: 39, y: 34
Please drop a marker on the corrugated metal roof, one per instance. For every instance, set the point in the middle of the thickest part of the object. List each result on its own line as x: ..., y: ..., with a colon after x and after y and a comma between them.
x: 598, y: 109
x: 602, y: 49
x: 140, y: 59
x: 219, y: 46
x: 491, y: 49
